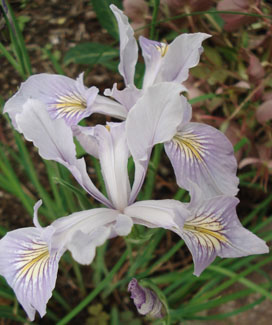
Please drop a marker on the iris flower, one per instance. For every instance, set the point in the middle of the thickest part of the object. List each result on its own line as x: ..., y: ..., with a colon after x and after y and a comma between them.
x: 29, y: 256
x: 163, y: 62
x: 70, y: 99
x: 198, y: 152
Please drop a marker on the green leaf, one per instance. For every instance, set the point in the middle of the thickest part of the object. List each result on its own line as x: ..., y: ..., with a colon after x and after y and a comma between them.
x: 213, y: 56
x: 90, y: 53
x: 106, y: 17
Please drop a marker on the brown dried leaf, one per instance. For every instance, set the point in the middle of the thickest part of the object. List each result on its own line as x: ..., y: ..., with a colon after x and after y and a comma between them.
x: 264, y: 112
x: 234, y: 22
x: 255, y: 69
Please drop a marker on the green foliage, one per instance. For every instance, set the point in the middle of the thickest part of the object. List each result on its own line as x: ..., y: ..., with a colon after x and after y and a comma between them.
x: 90, y: 53
x: 106, y: 17
x: 98, y: 316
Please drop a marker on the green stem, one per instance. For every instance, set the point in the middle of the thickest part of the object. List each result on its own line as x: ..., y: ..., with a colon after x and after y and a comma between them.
x: 151, y: 176
x: 154, y: 18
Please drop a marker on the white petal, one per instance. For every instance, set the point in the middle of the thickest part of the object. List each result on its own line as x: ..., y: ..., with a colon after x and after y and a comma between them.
x: 182, y: 54
x: 107, y: 106
x: 82, y: 246
x: 154, y: 119
x: 54, y: 139
x: 123, y: 225
x: 128, y: 47
x: 153, y: 59
x: 85, y: 136
x: 168, y: 214
x: 87, y: 222
x: 113, y: 156
x: 127, y: 97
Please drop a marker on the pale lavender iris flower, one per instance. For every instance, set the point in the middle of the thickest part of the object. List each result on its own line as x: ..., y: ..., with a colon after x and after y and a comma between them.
x: 198, y: 152
x: 29, y: 257
x: 64, y: 98
x: 163, y: 62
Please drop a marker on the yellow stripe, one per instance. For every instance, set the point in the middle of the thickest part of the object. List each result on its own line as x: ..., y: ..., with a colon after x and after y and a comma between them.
x: 34, y: 262
x: 190, y: 145
x: 70, y: 104
x: 206, y: 231
x: 162, y: 48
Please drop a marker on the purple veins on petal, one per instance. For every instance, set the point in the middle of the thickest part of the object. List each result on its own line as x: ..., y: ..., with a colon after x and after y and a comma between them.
x: 29, y: 267
x: 145, y: 300
x: 203, y: 155
x: 213, y: 229
x: 63, y: 97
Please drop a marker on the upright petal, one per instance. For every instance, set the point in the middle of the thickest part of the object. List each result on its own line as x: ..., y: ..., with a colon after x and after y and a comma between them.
x: 85, y: 136
x: 154, y: 119
x: 171, y: 62
x: 29, y: 267
x: 63, y: 97
x: 128, y: 47
x: 54, y: 139
x: 213, y: 229
x: 108, y: 106
x: 182, y: 54
x: 127, y: 97
x: 203, y: 154
x: 153, y: 53
x: 113, y: 155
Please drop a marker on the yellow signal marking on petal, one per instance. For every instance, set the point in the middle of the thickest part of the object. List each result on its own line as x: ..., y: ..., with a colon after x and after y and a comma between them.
x: 70, y: 104
x: 33, y: 262
x: 190, y: 144
x: 162, y: 48
x: 108, y: 127
x: 208, y: 231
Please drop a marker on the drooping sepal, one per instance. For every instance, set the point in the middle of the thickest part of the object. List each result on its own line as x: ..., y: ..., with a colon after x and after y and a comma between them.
x: 54, y: 139
x: 63, y: 97
x: 30, y: 268
x: 213, y: 229
x: 202, y: 154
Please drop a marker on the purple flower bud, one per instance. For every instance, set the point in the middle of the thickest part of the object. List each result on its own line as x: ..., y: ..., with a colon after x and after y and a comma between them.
x: 146, y: 301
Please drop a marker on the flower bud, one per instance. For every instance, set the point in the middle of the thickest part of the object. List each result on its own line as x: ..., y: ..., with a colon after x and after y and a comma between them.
x: 146, y: 300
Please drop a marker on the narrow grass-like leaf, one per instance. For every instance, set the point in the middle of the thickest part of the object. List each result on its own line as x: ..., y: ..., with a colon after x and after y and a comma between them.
x: 18, y: 40
x: 202, y: 98
x: 95, y: 292
x: 90, y: 53
x: 106, y: 17
x: 151, y: 174
x: 114, y: 320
